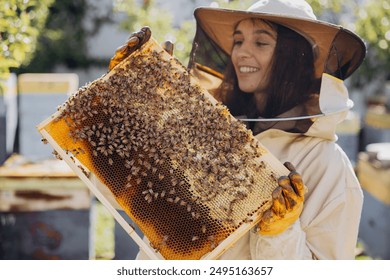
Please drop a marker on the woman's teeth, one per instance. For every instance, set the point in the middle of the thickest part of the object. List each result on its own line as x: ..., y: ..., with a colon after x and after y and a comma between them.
x: 246, y: 69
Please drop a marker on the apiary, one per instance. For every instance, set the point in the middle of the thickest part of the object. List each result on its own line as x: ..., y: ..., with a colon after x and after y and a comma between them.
x: 190, y: 175
x: 45, y: 211
x: 373, y: 170
x: 38, y: 94
x: 376, y: 126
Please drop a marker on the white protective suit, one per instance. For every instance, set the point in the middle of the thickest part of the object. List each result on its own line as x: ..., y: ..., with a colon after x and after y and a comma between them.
x: 328, y: 225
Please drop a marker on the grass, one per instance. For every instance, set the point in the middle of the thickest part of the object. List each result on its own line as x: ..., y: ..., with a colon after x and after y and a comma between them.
x: 104, y: 233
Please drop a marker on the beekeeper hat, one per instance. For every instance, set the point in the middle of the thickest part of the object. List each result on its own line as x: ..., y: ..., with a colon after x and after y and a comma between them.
x: 338, y: 51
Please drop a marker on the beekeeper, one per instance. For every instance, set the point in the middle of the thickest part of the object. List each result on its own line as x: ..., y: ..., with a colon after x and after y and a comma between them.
x: 280, y: 70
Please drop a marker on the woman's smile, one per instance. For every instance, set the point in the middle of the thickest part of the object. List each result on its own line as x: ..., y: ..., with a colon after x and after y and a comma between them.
x: 252, y: 54
x: 248, y: 69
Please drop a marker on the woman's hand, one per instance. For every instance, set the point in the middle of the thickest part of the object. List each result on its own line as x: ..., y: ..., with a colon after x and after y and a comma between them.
x: 135, y: 41
x: 287, y: 205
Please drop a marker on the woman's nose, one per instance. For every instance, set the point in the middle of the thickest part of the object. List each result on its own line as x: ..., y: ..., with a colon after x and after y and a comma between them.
x: 244, y: 51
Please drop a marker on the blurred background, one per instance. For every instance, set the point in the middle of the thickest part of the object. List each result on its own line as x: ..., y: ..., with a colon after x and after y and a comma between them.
x: 50, y: 48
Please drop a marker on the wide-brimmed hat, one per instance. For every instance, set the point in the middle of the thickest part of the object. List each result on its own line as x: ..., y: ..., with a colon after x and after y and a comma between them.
x: 337, y: 51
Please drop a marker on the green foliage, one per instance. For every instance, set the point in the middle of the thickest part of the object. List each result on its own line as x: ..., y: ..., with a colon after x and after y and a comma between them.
x: 371, y: 21
x: 142, y: 14
x: 373, y: 24
x: 147, y: 13
x: 323, y: 7
x: 20, y: 24
x: 64, y: 38
x: 235, y: 4
x: 104, y: 231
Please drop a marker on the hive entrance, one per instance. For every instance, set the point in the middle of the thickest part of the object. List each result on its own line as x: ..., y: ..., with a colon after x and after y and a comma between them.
x: 184, y: 170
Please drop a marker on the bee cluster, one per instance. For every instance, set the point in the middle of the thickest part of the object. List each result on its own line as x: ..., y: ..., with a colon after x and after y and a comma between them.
x: 176, y: 161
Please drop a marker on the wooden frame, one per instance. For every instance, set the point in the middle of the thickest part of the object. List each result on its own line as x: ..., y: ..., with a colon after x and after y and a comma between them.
x: 151, y: 253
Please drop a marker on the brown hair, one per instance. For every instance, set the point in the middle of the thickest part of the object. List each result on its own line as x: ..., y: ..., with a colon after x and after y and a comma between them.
x: 292, y: 79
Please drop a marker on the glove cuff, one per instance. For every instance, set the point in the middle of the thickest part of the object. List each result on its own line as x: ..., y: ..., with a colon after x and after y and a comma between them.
x: 278, y: 225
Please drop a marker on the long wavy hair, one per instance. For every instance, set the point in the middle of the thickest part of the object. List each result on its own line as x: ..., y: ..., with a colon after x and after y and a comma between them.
x: 292, y: 79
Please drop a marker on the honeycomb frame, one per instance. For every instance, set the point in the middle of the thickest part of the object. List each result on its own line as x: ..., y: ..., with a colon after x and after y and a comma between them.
x: 190, y: 175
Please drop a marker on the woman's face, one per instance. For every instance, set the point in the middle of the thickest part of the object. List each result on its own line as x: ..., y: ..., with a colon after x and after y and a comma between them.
x: 254, y: 43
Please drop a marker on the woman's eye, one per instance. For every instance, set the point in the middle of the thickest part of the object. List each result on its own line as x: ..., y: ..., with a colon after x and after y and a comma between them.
x: 237, y: 42
x: 261, y: 43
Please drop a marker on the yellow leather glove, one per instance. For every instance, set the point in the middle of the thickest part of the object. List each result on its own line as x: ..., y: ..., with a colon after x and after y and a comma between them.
x: 135, y: 41
x: 287, y: 205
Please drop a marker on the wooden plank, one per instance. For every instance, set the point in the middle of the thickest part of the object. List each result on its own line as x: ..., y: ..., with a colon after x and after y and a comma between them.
x: 44, y: 199
x: 18, y: 166
x: 38, y: 183
x: 377, y: 119
x: 374, y: 180
x: 46, y: 185
x: 48, y: 83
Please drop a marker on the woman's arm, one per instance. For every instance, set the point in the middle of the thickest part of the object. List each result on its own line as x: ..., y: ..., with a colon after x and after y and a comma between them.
x: 328, y: 226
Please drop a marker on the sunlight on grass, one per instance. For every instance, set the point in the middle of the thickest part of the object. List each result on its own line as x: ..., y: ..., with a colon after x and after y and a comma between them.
x: 104, y: 233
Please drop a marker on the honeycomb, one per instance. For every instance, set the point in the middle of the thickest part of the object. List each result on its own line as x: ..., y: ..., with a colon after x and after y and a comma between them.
x: 182, y: 168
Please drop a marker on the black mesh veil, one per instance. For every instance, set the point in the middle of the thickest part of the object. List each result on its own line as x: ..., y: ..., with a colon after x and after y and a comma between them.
x: 206, y: 53
x: 207, y: 60
x: 344, y: 56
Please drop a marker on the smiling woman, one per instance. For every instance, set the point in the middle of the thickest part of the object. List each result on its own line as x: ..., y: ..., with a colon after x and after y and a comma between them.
x: 265, y: 64
x: 279, y: 68
x: 253, y: 48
